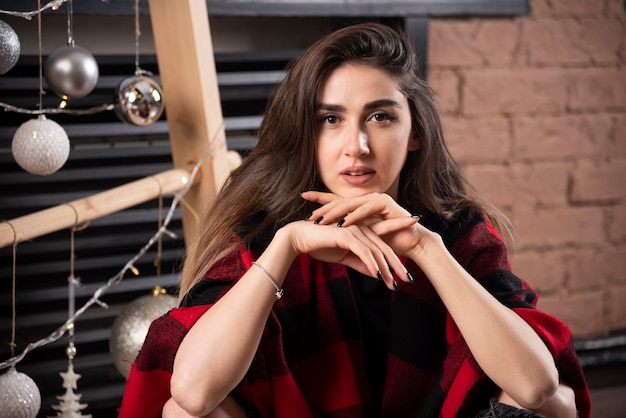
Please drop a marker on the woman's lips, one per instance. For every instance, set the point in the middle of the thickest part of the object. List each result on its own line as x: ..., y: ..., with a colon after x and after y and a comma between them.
x: 357, y: 175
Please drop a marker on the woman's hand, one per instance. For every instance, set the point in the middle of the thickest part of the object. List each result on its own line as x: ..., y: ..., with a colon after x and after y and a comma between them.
x: 383, y: 215
x: 355, y: 246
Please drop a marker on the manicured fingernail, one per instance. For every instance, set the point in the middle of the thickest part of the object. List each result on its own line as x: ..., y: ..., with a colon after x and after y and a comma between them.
x: 340, y: 223
x: 379, y: 275
x: 318, y: 220
x: 395, y: 285
x: 306, y: 218
x: 416, y: 216
x: 409, y: 276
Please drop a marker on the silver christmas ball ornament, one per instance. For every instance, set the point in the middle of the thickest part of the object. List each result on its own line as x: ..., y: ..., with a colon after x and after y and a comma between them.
x: 9, y: 47
x: 71, y: 72
x: 40, y: 146
x: 130, y: 328
x: 19, y: 395
x: 139, y: 100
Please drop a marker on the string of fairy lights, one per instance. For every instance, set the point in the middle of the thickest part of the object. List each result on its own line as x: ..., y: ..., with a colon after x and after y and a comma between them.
x: 54, y: 5
x: 40, y: 146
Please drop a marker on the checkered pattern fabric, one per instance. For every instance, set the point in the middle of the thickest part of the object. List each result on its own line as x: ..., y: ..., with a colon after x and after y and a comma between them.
x: 310, y: 362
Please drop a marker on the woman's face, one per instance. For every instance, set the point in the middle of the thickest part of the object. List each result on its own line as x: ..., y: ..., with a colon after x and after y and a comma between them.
x: 364, y: 132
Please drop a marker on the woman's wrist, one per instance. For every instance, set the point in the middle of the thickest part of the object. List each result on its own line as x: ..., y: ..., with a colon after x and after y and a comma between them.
x: 429, y: 245
x: 284, y: 241
x: 277, y: 258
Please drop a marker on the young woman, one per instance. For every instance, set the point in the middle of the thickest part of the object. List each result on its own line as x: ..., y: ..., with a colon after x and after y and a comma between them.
x: 345, y: 269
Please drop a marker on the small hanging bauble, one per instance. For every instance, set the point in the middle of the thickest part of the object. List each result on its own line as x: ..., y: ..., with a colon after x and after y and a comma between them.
x: 71, y: 72
x: 40, y: 146
x: 130, y: 328
x: 139, y: 100
x: 19, y: 395
x: 9, y: 47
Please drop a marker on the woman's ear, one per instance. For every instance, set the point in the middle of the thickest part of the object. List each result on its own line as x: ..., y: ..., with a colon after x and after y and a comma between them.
x: 414, y: 143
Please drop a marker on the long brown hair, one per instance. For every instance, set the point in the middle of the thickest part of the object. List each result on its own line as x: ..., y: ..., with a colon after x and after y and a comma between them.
x: 264, y: 192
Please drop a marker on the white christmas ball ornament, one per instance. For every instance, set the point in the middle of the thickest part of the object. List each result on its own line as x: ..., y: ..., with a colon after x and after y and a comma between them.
x: 71, y: 72
x: 130, y: 328
x: 40, y: 146
x: 19, y: 395
x: 9, y: 47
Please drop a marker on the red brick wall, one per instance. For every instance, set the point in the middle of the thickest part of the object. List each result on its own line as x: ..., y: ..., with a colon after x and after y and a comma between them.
x: 535, y: 111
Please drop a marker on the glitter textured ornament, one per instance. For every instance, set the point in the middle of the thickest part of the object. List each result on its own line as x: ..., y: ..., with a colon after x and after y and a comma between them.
x: 40, y: 146
x: 71, y: 72
x: 9, y: 47
x: 139, y: 100
x: 19, y: 395
x: 130, y: 328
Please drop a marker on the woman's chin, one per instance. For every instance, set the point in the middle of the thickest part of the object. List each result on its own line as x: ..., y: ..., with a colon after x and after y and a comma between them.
x: 354, y: 192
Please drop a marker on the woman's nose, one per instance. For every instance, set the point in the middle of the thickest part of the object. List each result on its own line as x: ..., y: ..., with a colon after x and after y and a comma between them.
x: 356, y: 142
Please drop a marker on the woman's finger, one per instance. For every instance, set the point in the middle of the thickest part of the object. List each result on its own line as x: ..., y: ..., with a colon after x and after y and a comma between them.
x: 362, y: 249
x: 389, y: 226
x: 349, y: 211
x: 386, y: 259
x: 394, y: 265
x: 378, y: 208
x: 333, y: 245
x: 319, y: 197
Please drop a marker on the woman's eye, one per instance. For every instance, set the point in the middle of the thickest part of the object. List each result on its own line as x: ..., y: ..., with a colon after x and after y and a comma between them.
x: 381, y: 117
x: 330, y: 119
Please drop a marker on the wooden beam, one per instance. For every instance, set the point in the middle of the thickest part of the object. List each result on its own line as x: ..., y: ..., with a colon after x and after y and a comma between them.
x: 184, y: 49
x: 95, y: 206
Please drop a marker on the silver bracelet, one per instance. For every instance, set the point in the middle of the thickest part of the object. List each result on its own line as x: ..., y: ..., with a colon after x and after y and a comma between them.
x: 279, y: 291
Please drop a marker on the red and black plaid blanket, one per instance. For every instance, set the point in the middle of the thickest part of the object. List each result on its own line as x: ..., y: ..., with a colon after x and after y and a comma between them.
x: 310, y: 362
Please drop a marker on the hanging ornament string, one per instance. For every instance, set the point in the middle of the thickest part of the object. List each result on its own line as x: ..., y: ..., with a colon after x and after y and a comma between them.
x: 138, y: 70
x: 40, y: 55
x: 70, y: 23
x: 13, y: 284
x: 72, y: 281
x: 157, y: 260
x: 158, y: 290
x: 95, y: 298
x: 13, y: 297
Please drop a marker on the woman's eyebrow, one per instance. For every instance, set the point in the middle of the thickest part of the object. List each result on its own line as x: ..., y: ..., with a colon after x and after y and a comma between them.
x: 382, y: 103
x: 330, y: 107
x: 368, y: 106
